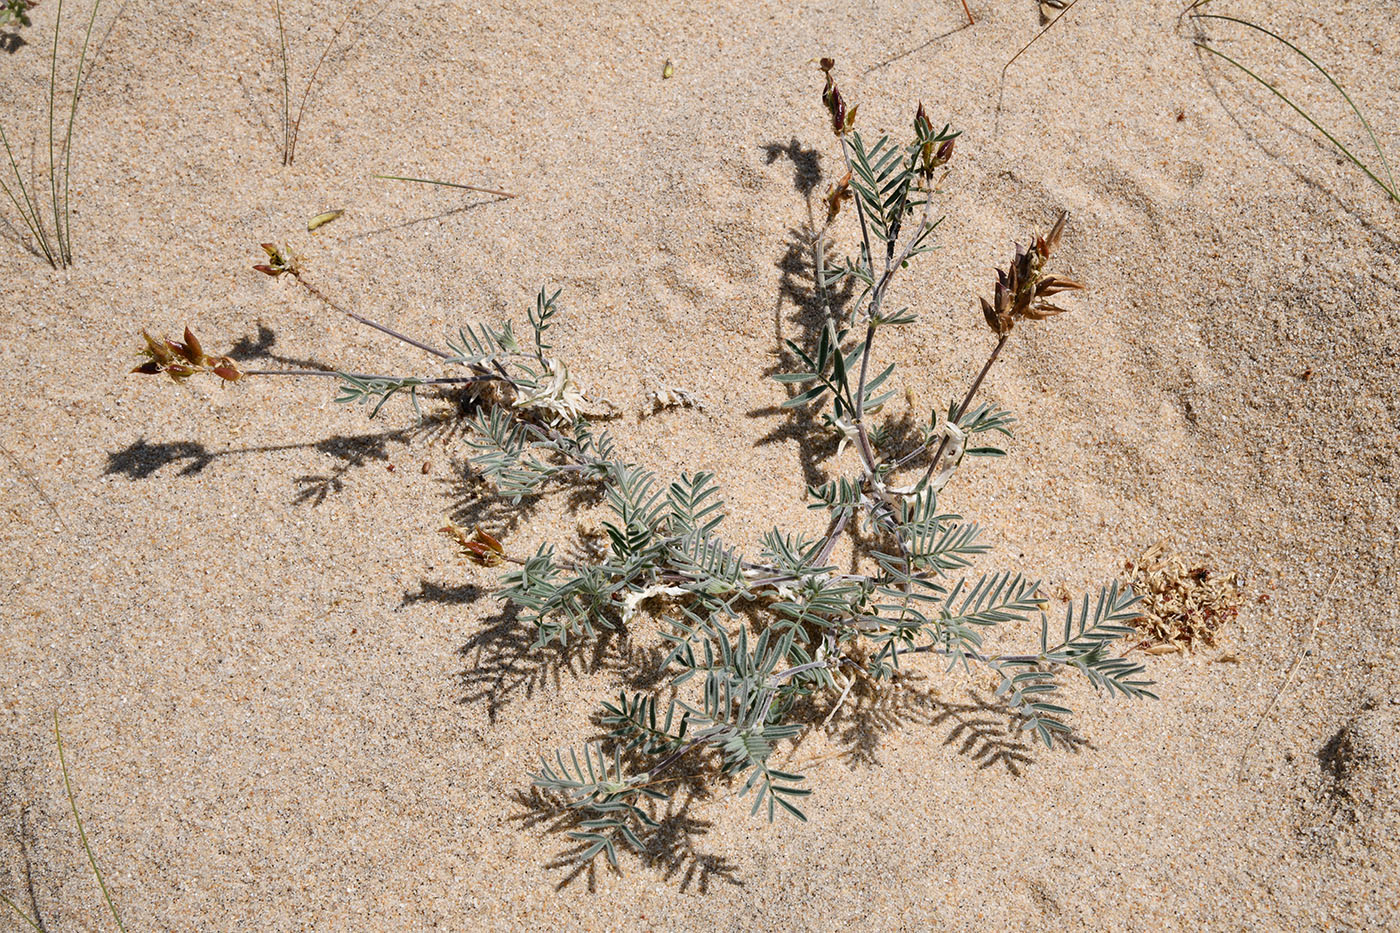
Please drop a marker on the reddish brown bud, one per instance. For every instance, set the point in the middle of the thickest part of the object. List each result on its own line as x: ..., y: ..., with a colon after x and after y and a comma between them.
x: 196, y: 352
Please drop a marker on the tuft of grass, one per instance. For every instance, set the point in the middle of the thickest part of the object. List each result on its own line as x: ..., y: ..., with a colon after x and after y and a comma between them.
x: 1388, y: 183
x: 51, y: 240
x: 291, y: 126
x: 82, y: 835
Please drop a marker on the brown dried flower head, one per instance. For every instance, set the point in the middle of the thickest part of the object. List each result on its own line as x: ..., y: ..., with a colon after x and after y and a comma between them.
x: 1023, y: 286
x: 182, y: 360
x: 480, y: 547
x: 836, y: 195
x: 280, y: 261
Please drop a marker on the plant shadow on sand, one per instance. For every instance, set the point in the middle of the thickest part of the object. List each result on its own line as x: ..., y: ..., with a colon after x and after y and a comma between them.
x: 800, y: 306
x: 352, y: 452
x: 502, y: 666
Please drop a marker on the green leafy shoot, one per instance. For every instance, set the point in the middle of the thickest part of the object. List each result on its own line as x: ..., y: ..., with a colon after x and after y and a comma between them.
x: 745, y: 635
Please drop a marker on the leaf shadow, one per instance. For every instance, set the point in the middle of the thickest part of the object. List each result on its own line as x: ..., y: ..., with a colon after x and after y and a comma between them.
x: 984, y: 730
x: 797, y: 291
x: 259, y: 347
x: 671, y: 848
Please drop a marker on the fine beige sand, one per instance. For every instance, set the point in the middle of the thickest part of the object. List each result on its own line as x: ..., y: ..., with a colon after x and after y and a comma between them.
x: 287, y: 703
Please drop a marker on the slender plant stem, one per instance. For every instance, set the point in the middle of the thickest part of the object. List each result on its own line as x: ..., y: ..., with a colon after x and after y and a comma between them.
x: 1048, y: 26
x: 68, y: 138
x: 286, y: 89
x: 325, y: 299
x: 22, y: 915
x: 970, y: 20
x: 444, y: 380
x: 53, y: 176
x: 448, y: 184
x: 311, y: 82
x: 37, y: 226
x: 1390, y: 191
x: 962, y: 409
x: 34, y: 225
x: 1385, y: 163
x: 73, y: 804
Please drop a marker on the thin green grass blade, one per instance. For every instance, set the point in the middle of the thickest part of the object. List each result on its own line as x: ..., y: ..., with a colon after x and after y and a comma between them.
x: 23, y: 916
x: 1394, y: 196
x: 67, y: 240
x: 18, y: 206
x: 35, y: 225
x: 448, y: 184
x: 53, y: 82
x: 73, y: 804
x: 286, y: 88
x: 1330, y: 80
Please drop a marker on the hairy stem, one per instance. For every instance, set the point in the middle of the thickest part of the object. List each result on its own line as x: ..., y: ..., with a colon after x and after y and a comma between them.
x: 326, y: 300
x: 962, y: 409
x: 441, y: 381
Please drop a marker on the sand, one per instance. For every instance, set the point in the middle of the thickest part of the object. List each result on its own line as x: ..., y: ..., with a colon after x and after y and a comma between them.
x: 288, y: 704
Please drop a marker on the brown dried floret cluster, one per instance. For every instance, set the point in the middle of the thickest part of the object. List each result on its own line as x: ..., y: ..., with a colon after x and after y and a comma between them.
x: 1023, y: 286
x: 480, y: 548
x: 1183, y: 603
x: 182, y: 360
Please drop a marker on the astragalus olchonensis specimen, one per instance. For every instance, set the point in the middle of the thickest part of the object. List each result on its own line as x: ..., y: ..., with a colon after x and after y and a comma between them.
x: 733, y: 686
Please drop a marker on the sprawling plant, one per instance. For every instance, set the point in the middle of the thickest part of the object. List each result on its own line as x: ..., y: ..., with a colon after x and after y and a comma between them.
x: 733, y: 685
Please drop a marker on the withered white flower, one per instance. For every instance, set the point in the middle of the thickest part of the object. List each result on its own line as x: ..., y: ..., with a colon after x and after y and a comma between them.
x: 557, y: 395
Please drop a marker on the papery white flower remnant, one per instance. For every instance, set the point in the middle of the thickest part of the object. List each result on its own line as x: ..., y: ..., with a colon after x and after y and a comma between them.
x: 631, y: 601
x: 557, y: 395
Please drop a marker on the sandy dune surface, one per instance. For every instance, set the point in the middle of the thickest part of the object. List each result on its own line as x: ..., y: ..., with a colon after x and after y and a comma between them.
x: 287, y: 703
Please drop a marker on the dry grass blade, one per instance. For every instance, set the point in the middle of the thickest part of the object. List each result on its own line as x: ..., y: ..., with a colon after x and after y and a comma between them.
x: 1051, y: 25
x: 1388, y: 185
x: 448, y: 184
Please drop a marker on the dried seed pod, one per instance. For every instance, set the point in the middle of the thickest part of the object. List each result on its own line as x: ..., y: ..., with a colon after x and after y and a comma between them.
x: 841, y: 120
x: 182, y: 360
x: 481, y: 548
x: 1023, y: 285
